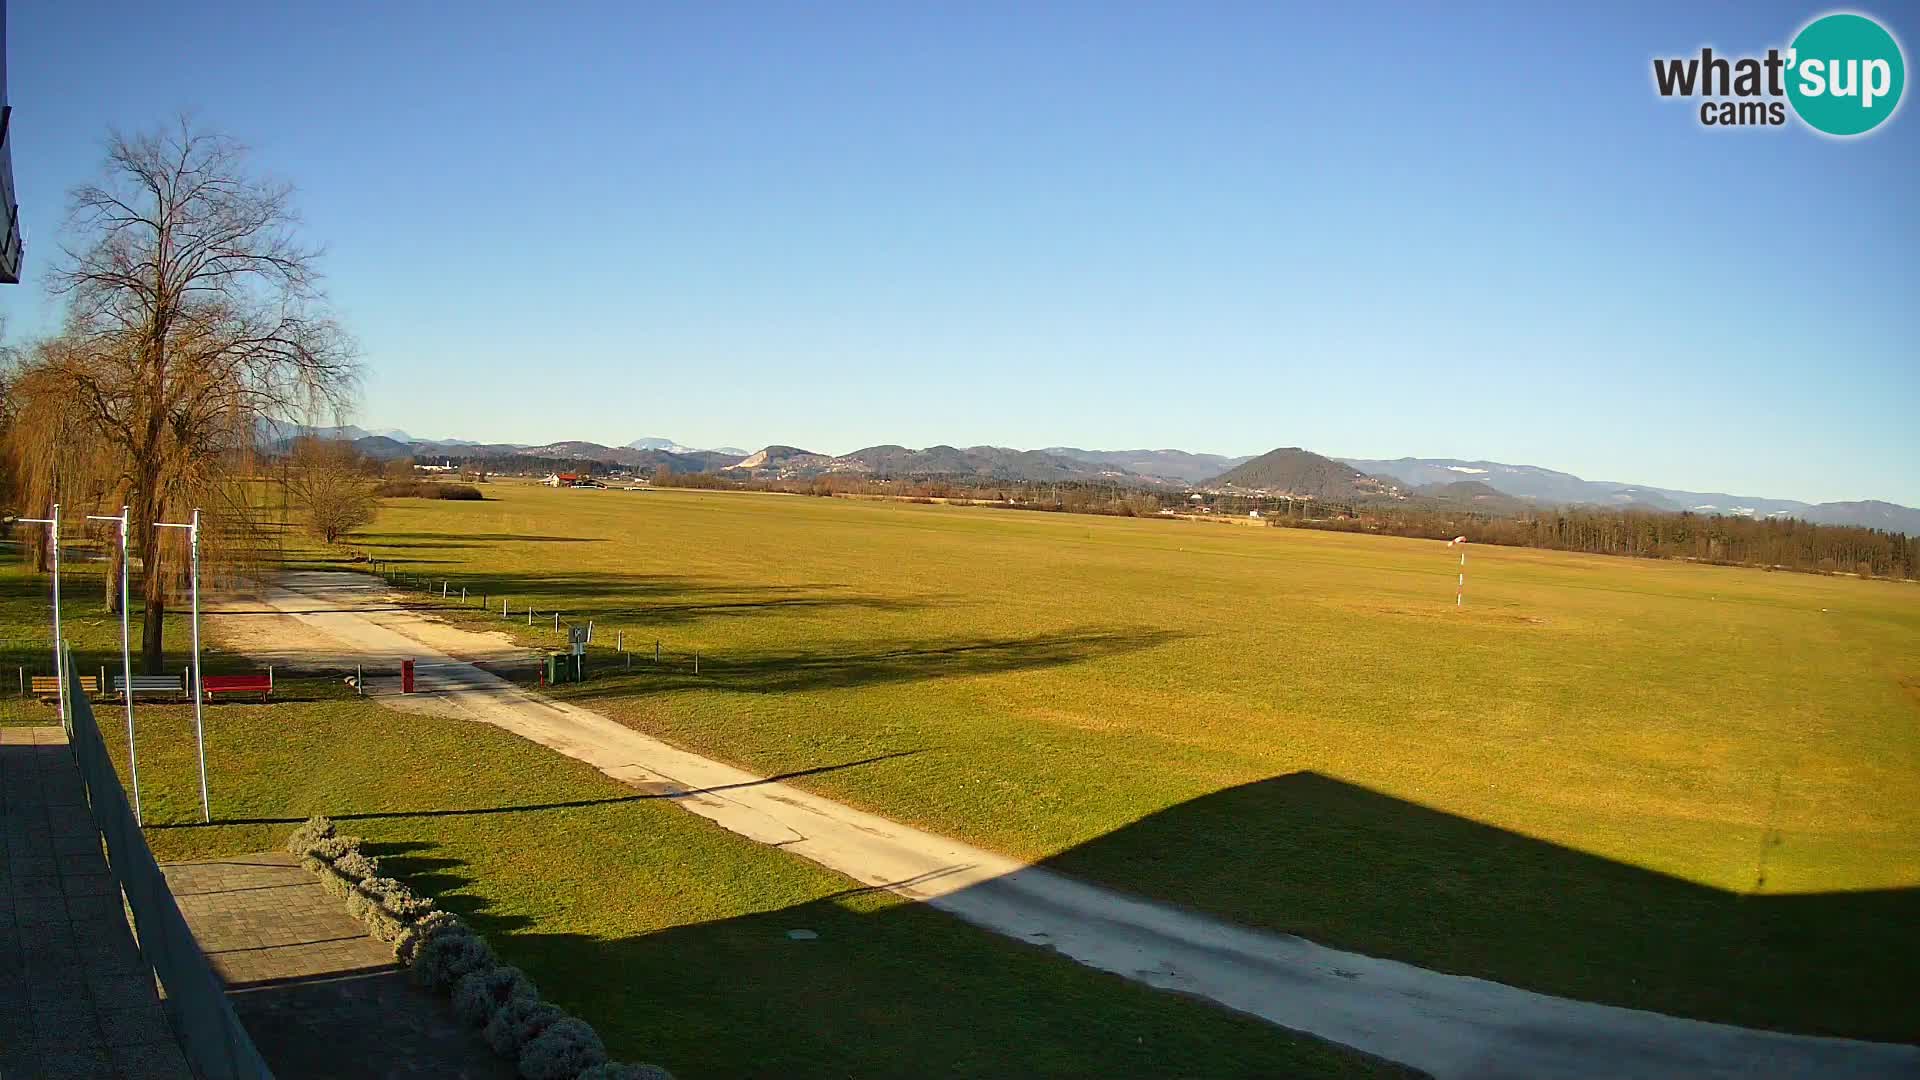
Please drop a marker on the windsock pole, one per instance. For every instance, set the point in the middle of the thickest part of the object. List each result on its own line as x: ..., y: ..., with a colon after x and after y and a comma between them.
x: 1460, y: 587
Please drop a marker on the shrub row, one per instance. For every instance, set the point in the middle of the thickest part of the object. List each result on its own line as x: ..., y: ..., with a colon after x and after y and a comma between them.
x: 426, y: 489
x: 447, y: 956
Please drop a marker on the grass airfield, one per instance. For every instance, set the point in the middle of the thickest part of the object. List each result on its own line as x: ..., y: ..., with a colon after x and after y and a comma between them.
x: 667, y: 933
x: 1687, y: 788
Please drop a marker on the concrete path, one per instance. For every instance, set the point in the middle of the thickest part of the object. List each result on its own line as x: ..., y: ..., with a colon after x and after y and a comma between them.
x: 320, y: 997
x: 1447, y: 1025
x: 75, y: 998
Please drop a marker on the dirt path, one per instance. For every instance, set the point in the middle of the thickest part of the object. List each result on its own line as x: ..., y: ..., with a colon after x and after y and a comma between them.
x: 1448, y: 1025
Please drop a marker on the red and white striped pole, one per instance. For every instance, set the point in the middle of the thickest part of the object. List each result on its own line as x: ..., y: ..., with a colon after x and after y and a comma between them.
x: 1460, y: 587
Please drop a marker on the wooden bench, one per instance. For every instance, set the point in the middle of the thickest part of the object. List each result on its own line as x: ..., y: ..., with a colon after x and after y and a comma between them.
x: 238, y: 684
x: 164, y: 685
x: 49, y: 685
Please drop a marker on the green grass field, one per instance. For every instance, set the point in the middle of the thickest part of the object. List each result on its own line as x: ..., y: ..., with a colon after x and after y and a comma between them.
x: 1687, y: 788
x: 666, y: 932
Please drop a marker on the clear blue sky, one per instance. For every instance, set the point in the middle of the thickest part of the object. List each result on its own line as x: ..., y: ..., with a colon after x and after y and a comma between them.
x: 1437, y: 230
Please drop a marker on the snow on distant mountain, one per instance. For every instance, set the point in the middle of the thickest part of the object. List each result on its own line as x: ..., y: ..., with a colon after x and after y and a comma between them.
x: 668, y: 445
x: 1548, y: 487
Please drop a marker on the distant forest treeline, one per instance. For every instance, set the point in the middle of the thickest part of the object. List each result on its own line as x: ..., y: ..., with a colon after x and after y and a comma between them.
x: 1772, y: 542
x: 1784, y: 543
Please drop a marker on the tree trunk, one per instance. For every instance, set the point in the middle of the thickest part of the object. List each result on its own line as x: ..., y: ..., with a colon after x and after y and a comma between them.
x: 153, y: 580
x: 114, y: 556
x: 152, y: 660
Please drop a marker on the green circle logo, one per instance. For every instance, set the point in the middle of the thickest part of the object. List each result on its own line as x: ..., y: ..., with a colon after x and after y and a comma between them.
x: 1845, y: 74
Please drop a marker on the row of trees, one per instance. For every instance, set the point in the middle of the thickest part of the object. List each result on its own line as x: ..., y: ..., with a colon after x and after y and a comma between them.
x: 1785, y: 543
x: 1772, y: 542
x: 194, y: 321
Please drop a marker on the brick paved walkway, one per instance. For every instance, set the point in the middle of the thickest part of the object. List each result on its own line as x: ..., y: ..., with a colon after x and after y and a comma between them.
x: 261, y: 918
x: 75, y: 998
x: 319, y: 997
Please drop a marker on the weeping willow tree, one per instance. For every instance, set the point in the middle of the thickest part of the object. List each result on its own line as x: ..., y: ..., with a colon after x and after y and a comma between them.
x: 194, y: 324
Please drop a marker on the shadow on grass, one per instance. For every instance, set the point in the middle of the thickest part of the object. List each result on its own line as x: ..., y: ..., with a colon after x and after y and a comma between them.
x: 1350, y: 867
x: 650, y: 600
x: 664, y: 791
x: 786, y: 671
x: 880, y: 982
x: 445, y: 539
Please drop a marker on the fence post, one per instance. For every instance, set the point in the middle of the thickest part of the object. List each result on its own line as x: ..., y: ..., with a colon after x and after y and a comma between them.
x: 589, y: 631
x: 620, y: 641
x: 696, y: 661
x: 463, y: 594
x: 556, y: 622
x: 529, y: 614
x: 656, y: 650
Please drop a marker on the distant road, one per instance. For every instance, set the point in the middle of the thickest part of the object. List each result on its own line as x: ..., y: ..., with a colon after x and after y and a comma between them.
x: 1448, y: 1025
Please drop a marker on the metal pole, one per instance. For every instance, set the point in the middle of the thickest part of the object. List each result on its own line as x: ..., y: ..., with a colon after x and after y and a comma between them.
x: 126, y: 661
x: 199, y: 683
x: 59, y: 654
x: 59, y: 663
x: 1460, y: 585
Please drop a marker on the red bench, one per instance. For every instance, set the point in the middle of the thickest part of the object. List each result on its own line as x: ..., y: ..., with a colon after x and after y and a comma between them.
x: 238, y: 684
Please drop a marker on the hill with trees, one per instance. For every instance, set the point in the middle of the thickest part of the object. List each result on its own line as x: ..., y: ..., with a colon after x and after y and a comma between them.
x: 1290, y: 470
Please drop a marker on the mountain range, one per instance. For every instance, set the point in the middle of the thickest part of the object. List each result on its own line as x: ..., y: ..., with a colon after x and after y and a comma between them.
x: 1492, y: 486
x: 1549, y: 487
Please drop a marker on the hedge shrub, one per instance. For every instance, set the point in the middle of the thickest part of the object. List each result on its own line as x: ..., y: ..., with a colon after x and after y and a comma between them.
x: 618, y: 1070
x: 316, y: 829
x: 450, y: 955
x: 407, y: 945
x: 562, y: 1052
x: 479, y: 994
x: 332, y: 847
x: 445, y: 954
x: 517, y: 1023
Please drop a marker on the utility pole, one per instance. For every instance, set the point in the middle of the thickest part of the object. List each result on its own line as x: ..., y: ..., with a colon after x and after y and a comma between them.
x: 126, y: 661
x: 59, y: 654
x: 199, y: 690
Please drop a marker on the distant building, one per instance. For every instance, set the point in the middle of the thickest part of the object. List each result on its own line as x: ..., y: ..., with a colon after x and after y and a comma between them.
x: 561, y: 480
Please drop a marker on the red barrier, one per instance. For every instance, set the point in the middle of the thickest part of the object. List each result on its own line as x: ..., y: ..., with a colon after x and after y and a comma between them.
x: 406, y: 676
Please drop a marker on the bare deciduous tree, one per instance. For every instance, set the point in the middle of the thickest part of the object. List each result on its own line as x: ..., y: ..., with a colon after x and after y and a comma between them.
x: 329, y: 481
x: 194, y: 322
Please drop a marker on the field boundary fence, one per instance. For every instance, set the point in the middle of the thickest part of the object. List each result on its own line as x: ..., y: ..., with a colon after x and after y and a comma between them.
x: 625, y: 646
x: 216, y: 1045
